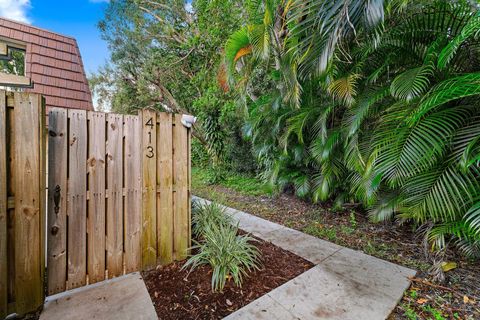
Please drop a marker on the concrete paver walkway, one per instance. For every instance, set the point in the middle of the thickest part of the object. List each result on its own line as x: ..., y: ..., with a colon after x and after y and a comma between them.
x: 122, y: 298
x: 344, y: 284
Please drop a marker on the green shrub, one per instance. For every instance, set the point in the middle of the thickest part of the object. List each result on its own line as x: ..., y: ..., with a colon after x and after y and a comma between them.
x: 204, y: 215
x: 230, y: 255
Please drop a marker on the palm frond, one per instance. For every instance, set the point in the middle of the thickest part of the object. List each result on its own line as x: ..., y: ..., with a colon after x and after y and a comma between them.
x: 441, y: 194
x: 472, y: 217
x: 464, y: 237
x: 319, y: 25
x: 449, y: 90
x: 471, y: 28
x: 361, y: 110
x: 344, y: 89
x: 238, y: 45
x: 411, y: 83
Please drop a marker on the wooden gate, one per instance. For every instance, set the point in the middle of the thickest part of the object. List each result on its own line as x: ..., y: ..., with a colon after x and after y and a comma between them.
x: 118, y: 197
x: 118, y: 194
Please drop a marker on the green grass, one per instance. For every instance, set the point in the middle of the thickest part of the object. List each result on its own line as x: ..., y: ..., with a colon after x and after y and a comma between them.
x: 378, y: 249
x: 320, y: 231
x: 246, y: 185
x: 428, y: 309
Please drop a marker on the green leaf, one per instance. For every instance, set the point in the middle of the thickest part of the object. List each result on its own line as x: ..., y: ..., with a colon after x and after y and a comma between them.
x: 411, y: 83
x: 473, y: 217
x: 362, y: 109
x: 447, y: 266
x: 452, y: 89
x: 440, y: 194
x: 471, y: 28
x: 237, y: 42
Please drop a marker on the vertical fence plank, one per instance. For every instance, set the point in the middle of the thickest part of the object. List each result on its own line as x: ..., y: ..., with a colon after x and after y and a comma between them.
x: 57, y: 200
x: 28, y: 227
x: 133, y: 193
x: 3, y: 207
x: 149, y: 189
x: 96, y: 202
x: 165, y: 189
x: 114, y: 244
x: 180, y: 164
x: 43, y: 190
x: 11, y: 143
x: 76, y: 205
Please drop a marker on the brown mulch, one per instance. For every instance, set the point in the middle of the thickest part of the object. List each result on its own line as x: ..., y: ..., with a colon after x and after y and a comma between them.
x: 178, y: 294
x: 457, y: 297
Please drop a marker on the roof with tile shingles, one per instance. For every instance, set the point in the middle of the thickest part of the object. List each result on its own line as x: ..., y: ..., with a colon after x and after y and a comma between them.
x: 53, y: 63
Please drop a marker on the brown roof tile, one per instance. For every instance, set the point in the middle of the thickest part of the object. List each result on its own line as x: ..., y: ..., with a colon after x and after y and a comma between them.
x: 54, y: 63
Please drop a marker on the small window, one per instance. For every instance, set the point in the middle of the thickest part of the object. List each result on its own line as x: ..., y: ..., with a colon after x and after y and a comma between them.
x: 13, y: 62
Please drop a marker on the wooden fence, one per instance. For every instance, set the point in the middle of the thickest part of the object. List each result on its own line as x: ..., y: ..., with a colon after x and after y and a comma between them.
x: 22, y: 202
x: 118, y: 197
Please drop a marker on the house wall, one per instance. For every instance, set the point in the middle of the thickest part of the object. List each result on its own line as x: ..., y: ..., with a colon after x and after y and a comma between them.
x: 54, y: 64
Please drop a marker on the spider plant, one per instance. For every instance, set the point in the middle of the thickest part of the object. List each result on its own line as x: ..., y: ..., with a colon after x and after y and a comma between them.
x: 204, y: 215
x: 230, y: 255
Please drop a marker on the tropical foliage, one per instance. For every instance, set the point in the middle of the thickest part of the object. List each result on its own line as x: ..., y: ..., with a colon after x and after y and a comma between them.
x: 367, y: 101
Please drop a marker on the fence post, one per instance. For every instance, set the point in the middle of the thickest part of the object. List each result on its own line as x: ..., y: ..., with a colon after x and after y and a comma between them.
x: 181, y: 229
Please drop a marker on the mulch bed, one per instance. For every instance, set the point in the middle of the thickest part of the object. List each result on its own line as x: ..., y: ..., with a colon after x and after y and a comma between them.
x: 178, y: 294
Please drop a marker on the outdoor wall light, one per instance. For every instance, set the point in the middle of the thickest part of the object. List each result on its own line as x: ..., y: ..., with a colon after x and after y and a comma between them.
x: 188, y: 120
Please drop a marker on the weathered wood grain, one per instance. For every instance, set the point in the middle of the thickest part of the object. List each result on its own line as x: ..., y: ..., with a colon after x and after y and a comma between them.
x: 77, y: 202
x: 3, y: 207
x: 114, y: 244
x: 180, y: 164
x: 96, y: 202
x: 133, y: 192
x: 57, y: 200
x: 149, y: 189
x: 27, y: 225
x: 118, y: 197
x: 165, y: 188
x: 43, y: 133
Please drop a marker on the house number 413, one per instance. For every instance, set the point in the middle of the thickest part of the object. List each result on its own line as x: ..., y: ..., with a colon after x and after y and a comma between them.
x: 150, y: 152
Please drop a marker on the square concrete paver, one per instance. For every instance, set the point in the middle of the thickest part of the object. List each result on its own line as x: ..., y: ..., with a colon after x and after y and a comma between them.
x: 383, y: 276
x: 122, y: 298
x: 320, y: 294
x: 306, y: 246
x: 367, y: 288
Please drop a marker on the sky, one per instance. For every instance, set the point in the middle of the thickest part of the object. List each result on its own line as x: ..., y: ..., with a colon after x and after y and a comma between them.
x: 75, y: 18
